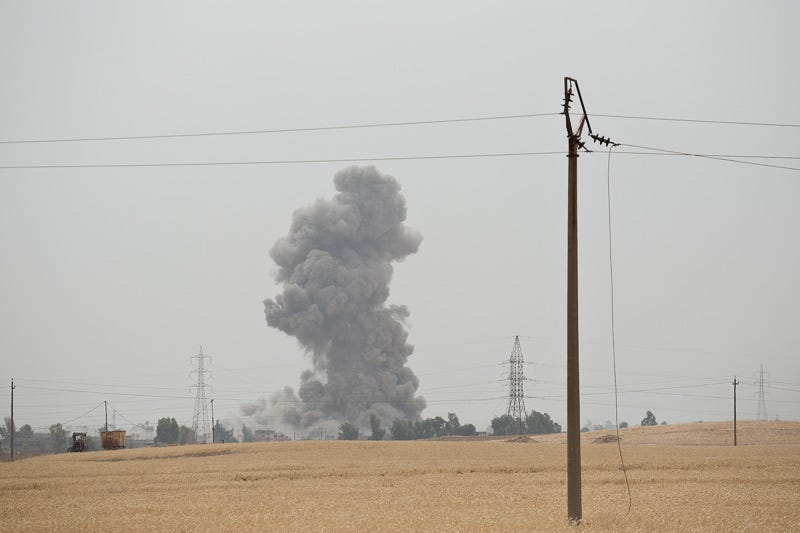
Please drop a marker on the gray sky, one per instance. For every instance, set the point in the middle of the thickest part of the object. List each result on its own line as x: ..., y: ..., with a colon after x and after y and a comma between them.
x: 111, y: 278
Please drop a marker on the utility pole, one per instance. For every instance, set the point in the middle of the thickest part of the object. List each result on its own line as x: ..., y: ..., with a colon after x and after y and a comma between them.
x: 13, y: 427
x: 574, y: 504
x: 735, y: 382
x: 213, y: 440
x: 105, y: 403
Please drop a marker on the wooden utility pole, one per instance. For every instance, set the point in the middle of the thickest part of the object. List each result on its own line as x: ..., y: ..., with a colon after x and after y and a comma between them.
x: 213, y: 440
x: 13, y: 428
x: 735, y: 382
x: 574, y: 504
x: 105, y: 403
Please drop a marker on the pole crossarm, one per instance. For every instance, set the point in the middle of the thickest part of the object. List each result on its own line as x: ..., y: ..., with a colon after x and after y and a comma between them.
x: 574, y: 135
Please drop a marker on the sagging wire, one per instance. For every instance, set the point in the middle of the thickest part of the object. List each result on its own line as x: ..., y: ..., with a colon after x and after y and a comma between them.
x: 613, y: 331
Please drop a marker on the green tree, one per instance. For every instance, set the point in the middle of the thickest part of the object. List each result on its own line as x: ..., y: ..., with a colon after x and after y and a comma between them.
x: 58, y: 438
x: 167, y: 431
x: 649, y: 419
x: 540, y: 424
x: 500, y: 424
x: 186, y: 435
x: 403, y: 429
x: 438, y: 426
x: 348, y: 431
x: 247, y: 434
x: 467, y: 430
x: 453, y: 426
x: 25, y: 432
x: 507, y: 425
x: 223, y: 435
x: 378, y: 433
x: 426, y: 429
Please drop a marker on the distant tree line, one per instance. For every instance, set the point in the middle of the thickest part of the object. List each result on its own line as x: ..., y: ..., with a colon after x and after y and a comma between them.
x: 57, y: 439
x: 431, y: 428
x: 27, y: 442
x: 403, y: 429
x: 536, y: 423
x: 168, y: 431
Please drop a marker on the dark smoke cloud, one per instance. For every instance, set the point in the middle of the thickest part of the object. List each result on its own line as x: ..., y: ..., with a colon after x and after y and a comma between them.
x: 335, y: 266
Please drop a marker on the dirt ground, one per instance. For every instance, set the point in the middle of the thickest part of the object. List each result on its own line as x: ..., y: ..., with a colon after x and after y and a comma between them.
x: 686, y: 477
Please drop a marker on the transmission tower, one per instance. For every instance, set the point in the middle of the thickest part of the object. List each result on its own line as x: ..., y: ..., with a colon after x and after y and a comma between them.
x: 200, y: 424
x: 516, y: 378
x: 761, y: 414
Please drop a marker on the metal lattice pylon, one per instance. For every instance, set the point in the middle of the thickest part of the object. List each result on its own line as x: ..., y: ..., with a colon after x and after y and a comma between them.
x: 201, y: 426
x: 516, y: 378
x: 761, y: 414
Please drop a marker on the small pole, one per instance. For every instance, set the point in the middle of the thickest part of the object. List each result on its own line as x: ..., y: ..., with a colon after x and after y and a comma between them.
x: 105, y: 403
x: 13, y: 427
x: 213, y: 440
x: 735, y: 382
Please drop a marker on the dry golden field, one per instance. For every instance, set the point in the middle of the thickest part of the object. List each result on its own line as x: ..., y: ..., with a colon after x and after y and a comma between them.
x: 686, y: 478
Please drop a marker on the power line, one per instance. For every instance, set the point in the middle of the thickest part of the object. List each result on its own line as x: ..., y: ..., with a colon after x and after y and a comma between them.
x: 780, y: 388
x: 279, y: 130
x: 740, y: 156
x: 84, y: 414
x: 699, y: 121
x: 384, y: 125
x: 717, y: 158
x: 111, y: 393
x: 284, y: 161
x: 653, y: 152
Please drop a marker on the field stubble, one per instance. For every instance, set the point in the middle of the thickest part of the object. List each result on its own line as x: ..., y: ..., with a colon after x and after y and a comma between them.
x: 681, y: 479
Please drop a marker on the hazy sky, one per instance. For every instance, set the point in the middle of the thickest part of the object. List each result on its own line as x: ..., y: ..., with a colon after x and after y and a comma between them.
x: 111, y: 278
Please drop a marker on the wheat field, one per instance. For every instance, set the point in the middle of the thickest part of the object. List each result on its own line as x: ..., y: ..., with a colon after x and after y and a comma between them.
x: 685, y: 478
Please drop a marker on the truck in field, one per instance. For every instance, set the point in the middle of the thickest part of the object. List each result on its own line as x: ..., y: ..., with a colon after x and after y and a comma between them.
x: 78, y: 442
x: 112, y: 440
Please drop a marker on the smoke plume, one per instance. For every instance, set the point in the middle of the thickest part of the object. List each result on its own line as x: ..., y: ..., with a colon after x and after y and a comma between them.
x: 335, y: 266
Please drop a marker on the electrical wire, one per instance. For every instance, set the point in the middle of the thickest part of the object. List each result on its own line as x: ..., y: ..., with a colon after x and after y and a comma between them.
x: 124, y: 417
x: 613, y: 332
x: 279, y: 130
x: 654, y: 152
x: 739, y: 156
x: 84, y: 414
x: 699, y: 121
x: 705, y: 156
x: 382, y: 125
x: 285, y: 161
